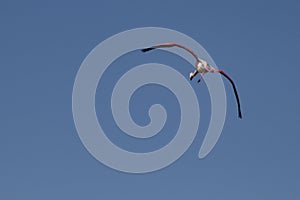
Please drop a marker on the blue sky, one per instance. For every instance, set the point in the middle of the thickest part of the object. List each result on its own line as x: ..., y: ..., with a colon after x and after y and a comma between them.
x: 42, y: 47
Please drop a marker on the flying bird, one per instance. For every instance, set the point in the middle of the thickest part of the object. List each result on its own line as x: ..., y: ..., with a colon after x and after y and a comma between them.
x: 202, y: 67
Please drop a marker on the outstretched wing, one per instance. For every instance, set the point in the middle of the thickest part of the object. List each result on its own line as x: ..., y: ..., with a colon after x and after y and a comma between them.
x: 235, y: 92
x: 172, y: 44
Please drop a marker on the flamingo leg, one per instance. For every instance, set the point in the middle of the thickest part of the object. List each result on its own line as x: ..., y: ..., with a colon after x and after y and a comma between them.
x: 201, y: 78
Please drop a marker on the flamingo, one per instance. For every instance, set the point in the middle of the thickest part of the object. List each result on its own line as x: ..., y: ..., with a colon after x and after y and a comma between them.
x: 202, y: 67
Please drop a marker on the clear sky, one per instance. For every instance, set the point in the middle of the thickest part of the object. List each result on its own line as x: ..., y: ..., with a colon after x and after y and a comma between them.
x: 42, y: 45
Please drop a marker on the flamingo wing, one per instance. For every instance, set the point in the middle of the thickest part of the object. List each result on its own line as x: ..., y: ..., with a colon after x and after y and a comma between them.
x: 235, y: 92
x: 171, y: 44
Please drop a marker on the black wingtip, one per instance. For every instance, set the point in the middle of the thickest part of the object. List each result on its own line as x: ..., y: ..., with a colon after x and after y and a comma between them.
x: 240, y: 115
x: 147, y: 49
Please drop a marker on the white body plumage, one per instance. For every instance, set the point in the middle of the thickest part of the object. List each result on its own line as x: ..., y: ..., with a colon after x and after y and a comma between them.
x: 203, y: 67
